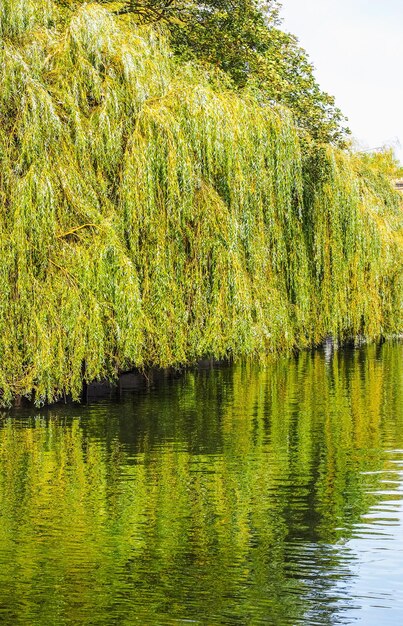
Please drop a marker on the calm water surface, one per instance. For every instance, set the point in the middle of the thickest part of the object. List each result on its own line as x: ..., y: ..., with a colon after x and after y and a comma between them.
x: 238, y: 495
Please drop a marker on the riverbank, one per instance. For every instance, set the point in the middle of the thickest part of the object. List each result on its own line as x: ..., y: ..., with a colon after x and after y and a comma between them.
x: 138, y: 380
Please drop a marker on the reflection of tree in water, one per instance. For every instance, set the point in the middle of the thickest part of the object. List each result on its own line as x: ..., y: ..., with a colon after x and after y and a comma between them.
x: 218, y: 497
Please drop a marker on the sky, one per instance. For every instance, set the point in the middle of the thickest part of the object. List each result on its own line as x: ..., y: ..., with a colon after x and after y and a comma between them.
x: 356, y: 47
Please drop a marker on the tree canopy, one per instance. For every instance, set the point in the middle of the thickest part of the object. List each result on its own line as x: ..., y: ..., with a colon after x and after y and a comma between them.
x: 152, y: 217
x: 244, y: 39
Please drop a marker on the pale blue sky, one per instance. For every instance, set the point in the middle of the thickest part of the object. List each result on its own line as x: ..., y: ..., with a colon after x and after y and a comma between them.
x: 356, y: 47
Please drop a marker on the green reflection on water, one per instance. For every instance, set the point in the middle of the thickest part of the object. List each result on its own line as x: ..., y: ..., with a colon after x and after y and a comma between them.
x: 222, y: 497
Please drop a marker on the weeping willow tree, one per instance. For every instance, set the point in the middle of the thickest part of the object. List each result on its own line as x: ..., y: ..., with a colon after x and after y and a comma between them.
x: 149, y: 216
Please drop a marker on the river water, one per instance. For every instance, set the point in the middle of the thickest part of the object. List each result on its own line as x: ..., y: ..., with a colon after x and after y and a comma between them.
x: 244, y: 494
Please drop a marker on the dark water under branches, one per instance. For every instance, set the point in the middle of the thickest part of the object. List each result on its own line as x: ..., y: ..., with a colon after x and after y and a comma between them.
x: 239, y: 495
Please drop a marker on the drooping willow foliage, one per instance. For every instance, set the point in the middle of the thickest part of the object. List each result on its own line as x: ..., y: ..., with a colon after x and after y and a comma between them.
x: 150, y: 216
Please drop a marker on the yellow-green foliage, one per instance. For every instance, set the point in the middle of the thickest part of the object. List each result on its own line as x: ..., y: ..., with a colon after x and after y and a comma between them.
x: 150, y: 218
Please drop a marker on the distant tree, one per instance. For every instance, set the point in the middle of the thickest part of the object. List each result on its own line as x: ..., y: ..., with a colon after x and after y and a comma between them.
x: 283, y: 73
